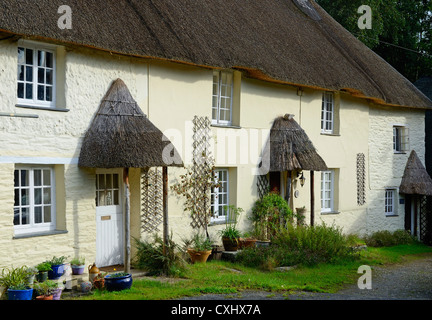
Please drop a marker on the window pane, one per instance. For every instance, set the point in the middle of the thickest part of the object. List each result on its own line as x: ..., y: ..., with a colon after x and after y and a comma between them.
x: 25, y: 218
x: 41, y: 75
x: 29, y: 74
x: 40, y: 93
x: 21, y: 59
x: 49, y: 76
x: 47, y: 177
x: 49, y: 60
x: 38, y: 196
x: 21, y: 73
x: 101, y: 184
x: 37, y: 177
x: 20, y: 90
x: 41, y: 58
x: 48, y: 93
x: 24, y: 178
x: 47, y: 214
x: 16, y: 197
x: 25, y: 200
x: 16, y: 220
x: 29, y: 91
x: 116, y: 181
x: 108, y: 181
x: 38, y: 214
x: 47, y: 195
x: 29, y: 56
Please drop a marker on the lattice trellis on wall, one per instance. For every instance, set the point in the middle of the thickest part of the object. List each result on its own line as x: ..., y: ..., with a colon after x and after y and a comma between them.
x: 361, y: 179
x: 426, y: 220
x: 201, y: 166
x: 151, y: 199
x: 263, y: 185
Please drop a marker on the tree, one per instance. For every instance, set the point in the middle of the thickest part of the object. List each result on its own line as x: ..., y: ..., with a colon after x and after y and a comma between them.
x: 401, y: 31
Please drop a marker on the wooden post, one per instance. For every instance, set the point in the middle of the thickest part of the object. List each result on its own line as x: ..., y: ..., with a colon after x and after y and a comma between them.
x: 127, y: 253
x: 165, y: 206
x: 312, y: 198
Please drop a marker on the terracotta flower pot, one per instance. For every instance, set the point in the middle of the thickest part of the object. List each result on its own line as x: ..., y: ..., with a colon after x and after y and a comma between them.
x: 230, y: 244
x: 44, y: 297
x: 199, y: 256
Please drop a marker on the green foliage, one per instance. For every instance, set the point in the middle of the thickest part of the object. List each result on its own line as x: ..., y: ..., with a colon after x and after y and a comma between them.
x: 55, y: 261
x: 386, y: 238
x: 13, y: 277
x: 401, y: 31
x: 46, y: 288
x: 159, y: 259
x: 78, y: 261
x: 44, y: 266
x: 118, y: 274
x: 307, y: 245
x: 198, y: 242
x: 270, y: 215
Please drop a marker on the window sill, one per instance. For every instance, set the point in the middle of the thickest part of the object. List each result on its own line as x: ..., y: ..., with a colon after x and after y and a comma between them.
x: 330, y: 134
x: 39, y: 234
x: 399, y: 152
x: 329, y: 212
x: 392, y: 215
x: 28, y: 106
x: 225, y: 126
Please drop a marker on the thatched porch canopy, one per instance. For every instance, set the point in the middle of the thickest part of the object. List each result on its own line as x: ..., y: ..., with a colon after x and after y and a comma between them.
x: 416, y: 180
x: 121, y: 136
x: 291, y: 149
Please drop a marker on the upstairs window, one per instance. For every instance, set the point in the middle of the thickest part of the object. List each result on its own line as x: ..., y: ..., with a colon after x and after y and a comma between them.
x: 400, y: 139
x: 223, y: 90
x: 327, y: 113
x: 36, y: 75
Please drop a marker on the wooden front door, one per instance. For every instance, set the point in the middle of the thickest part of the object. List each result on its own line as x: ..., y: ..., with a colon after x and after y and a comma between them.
x: 109, y: 218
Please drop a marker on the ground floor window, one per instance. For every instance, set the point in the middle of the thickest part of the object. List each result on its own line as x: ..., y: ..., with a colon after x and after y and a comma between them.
x: 220, y: 196
x: 390, y: 202
x: 34, y: 199
x: 327, y: 191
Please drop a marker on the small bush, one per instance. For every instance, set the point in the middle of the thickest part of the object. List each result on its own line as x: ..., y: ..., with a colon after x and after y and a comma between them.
x: 386, y: 238
x: 308, y: 245
x: 150, y: 257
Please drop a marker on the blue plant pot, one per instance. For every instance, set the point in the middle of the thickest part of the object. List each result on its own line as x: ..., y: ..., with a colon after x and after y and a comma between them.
x: 118, y: 283
x: 20, y: 294
x: 56, y: 272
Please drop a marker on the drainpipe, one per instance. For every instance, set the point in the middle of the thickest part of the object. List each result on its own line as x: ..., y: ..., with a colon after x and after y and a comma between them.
x: 18, y: 115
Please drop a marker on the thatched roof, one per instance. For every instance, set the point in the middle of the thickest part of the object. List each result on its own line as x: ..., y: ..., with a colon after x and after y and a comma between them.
x: 285, y: 41
x: 121, y: 136
x: 415, y: 180
x: 290, y: 148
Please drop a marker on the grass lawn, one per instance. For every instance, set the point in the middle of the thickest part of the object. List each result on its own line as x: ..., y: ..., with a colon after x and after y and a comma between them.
x: 225, y: 277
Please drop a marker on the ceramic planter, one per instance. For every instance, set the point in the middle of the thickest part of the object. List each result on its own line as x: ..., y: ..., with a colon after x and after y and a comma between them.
x: 56, y: 272
x: 57, y: 293
x: 78, y: 269
x: 230, y: 244
x: 118, y: 283
x: 199, y: 256
x: 20, y: 294
x: 42, y: 276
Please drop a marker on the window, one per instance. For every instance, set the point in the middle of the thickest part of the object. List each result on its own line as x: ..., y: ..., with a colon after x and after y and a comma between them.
x: 223, y: 89
x: 220, y: 196
x: 390, y: 203
x: 36, y: 75
x: 327, y: 191
x: 400, y: 139
x: 34, y: 199
x: 107, y: 189
x: 327, y: 113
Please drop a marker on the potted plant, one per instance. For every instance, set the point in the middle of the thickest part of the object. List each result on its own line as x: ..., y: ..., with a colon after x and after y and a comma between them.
x: 78, y: 265
x: 43, y: 269
x: 118, y: 281
x: 247, y: 241
x: 199, y: 248
x: 99, y: 281
x: 45, y: 290
x: 31, y: 274
x: 14, y: 281
x: 231, y: 235
x: 57, y: 267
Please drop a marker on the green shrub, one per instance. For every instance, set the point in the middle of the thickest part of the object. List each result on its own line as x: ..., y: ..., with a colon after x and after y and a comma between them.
x: 151, y: 257
x: 385, y: 238
x: 308, y: 245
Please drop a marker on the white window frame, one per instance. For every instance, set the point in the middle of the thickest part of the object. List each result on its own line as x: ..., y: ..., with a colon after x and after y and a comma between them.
x: 35, y: 46
x: 217, y: 199
x: 390, y: 201
x: 327, y: 177
x: 219, y: 85
x: 32, y: 226
x: 327, y: 113
x: 400, y: 139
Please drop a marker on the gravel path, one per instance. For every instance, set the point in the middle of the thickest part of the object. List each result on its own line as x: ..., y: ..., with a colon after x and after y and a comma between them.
x: 405, y: 281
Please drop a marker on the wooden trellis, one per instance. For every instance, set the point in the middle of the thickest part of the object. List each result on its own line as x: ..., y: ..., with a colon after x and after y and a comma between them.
x: 263, y: 185
x: 151, y: 199
x: 361, y: 179
x: 426, y: 220
x: 200, y: 167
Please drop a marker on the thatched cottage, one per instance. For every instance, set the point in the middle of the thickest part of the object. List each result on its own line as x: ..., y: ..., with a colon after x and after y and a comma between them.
x: 75, y: 140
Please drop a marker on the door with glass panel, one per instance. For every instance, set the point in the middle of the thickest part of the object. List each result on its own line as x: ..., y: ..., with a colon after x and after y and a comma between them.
x: 109, y: 218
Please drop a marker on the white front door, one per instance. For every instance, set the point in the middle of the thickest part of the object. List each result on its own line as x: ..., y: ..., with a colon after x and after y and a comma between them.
x: 109, y: 218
